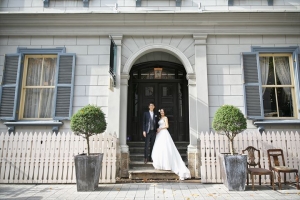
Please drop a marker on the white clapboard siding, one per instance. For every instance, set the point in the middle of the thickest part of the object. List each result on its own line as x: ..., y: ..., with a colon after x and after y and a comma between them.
x: 49, y: 157
x: 210, y: 145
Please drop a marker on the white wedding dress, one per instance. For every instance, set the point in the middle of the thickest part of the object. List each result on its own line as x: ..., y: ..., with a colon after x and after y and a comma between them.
x: 165, y: 155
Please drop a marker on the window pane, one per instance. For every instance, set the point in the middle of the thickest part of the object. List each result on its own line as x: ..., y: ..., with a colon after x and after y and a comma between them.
x: 167, y: 91
x: 32, y: 99
x: 38, y: 103
x: 269, y: 99
x: 49, y: 71
x: 285, y: 102
x: 147, y: 74
x: 47, y: 98
x: 282, y: 68
x: 148, y: 91
x: 34, y: 71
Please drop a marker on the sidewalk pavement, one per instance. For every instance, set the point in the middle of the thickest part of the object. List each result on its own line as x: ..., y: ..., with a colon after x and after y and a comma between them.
x: 137, y: 191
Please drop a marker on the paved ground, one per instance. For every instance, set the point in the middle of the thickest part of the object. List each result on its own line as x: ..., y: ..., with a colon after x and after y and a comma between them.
x: 138, y: 191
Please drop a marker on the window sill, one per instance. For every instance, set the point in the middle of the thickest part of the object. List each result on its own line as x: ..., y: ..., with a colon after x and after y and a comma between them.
x: 55, y: 124
x: 260, y: 124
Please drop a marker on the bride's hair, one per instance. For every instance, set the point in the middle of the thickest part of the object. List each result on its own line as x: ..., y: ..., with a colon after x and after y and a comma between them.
x: 159, y: 115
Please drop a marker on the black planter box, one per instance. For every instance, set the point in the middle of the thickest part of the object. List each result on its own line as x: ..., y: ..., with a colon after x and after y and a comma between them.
x: 88, y: 170
x: 234, y: 171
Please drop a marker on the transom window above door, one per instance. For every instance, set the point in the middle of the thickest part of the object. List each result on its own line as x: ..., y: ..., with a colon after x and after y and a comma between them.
x: 158, y: 72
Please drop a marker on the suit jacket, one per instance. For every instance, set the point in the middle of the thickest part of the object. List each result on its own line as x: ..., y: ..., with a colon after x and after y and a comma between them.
x: 146, y: 121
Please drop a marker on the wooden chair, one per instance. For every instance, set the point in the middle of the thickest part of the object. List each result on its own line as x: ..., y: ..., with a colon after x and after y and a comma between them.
x: 254, y: 167
x: 279, y: 167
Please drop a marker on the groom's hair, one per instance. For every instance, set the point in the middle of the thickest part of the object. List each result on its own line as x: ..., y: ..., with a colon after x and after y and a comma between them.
x: 151, y: 103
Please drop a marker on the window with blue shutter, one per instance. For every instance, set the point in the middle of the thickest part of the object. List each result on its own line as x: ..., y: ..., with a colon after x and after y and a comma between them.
x: 272, y: 84
x: 37, y: 87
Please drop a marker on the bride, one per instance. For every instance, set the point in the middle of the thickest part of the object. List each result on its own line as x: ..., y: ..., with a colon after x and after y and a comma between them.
x: 165, y: 155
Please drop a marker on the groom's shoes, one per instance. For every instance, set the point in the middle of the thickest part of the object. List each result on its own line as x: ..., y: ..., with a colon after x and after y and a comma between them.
x: 145, y: 160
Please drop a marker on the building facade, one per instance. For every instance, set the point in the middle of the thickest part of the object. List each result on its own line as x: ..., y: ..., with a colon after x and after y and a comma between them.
x: 187, y: 56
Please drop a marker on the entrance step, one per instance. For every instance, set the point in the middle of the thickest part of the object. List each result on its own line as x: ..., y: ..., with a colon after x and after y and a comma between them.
x: 136, y: 150
x: 138, y: 170
x: 153, y: 174
x: 140, y: 165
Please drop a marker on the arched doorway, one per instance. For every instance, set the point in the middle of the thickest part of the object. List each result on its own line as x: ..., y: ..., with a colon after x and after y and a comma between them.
x: 165, y: 84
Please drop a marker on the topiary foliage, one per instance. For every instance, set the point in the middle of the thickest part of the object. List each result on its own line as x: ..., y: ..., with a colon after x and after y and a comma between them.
x: 230, y: 121
x: 88, y: 121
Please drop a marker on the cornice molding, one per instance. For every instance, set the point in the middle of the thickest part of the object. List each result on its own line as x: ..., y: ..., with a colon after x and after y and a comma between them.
x: 150, y: 24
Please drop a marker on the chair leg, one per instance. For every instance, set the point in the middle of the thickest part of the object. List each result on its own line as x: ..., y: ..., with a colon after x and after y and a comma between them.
x: 252, y: 177
x: 247, y: 179
x: 279, y: 180
x: 272, y: 181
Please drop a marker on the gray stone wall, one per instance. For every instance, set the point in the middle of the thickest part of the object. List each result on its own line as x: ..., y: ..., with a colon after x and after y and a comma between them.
x: 225, y: 70
x: 91, y: 71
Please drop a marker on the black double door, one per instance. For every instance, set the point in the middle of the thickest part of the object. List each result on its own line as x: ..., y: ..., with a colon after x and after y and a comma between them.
x: 169, y: 95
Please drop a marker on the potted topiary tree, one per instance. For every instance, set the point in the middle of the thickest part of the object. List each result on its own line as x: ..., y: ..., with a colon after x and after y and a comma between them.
x: 229, y: 120
x: 88, y: 121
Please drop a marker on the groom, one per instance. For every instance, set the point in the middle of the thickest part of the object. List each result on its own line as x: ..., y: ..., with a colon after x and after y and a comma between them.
x: 149, y: 131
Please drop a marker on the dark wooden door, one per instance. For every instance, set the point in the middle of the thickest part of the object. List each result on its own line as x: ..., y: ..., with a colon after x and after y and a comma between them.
x: 167, y: 99
x: 163, y: 95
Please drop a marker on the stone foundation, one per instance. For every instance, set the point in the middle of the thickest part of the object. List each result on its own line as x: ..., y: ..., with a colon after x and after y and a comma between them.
x: 124, y: 165
x: 194, y: 164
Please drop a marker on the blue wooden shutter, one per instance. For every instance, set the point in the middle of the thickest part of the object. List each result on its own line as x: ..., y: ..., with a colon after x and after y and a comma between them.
x: 9, y: 88
x: 252, y: 86
x: 65, y: 71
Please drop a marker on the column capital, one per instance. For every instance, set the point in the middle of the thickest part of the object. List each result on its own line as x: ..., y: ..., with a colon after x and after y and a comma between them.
x: 191, y: 79
x: 190, y: 76
x: 125, y: 76
x: 200, y: 39
x: 117, y: 39
x: 124, y: 79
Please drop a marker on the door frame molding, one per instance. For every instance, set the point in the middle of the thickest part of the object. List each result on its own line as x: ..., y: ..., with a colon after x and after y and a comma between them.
x: 191, y: 77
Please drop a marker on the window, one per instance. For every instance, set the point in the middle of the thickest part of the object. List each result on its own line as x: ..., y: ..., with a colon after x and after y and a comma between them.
x: 113, y: 61
x: 278, y: 90
x: 38, y: 87
x: 37, y: 84
x: 271, y: 83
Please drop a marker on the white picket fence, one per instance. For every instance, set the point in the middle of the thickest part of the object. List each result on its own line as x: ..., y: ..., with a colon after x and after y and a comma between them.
x: 49, y: 158
x: 211, y: 145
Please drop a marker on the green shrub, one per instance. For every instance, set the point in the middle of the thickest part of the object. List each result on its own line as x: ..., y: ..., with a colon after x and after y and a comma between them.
x: 230, y: 121
x: 88, y: 121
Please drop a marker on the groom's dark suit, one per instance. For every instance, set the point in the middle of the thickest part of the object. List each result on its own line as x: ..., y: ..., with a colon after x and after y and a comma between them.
x: 149, y: 126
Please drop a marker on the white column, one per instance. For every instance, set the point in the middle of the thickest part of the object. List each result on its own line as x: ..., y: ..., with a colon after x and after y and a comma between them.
x: 192, y: 112
x: 123, y: 113
x: 202, y: 83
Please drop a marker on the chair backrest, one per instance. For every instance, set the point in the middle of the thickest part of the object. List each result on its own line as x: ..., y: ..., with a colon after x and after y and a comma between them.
x: 274, y: 156
x: 253, y: 156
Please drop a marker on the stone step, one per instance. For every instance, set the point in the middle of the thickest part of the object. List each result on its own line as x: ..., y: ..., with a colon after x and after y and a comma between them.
x: 140, y: 165
x: 153, y: 174
x: 142, y: 144
x: 138, y: 149
x: 140, y: 157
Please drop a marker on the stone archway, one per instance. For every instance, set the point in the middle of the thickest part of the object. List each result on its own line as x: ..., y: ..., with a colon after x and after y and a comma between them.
x: 158, y: 47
